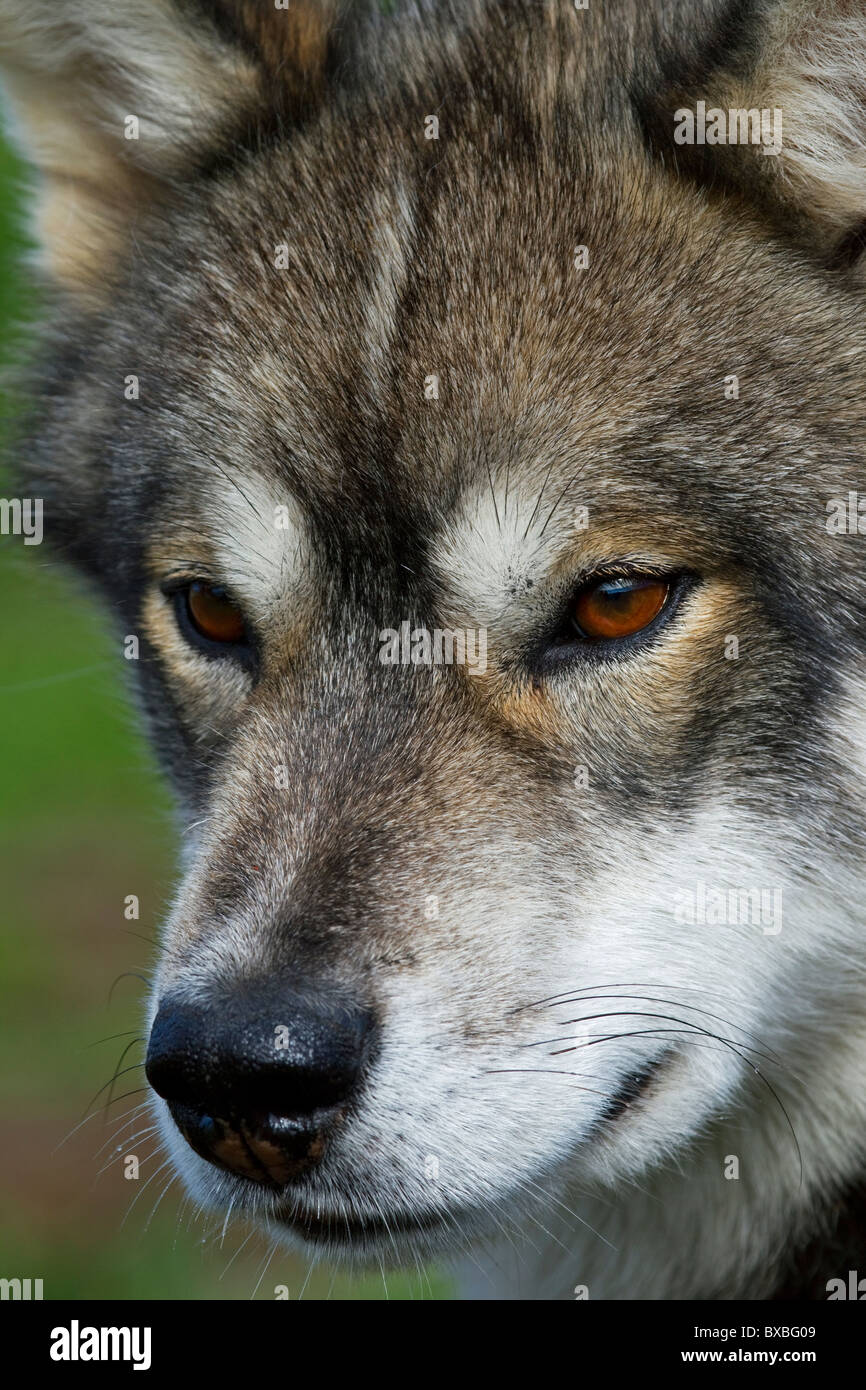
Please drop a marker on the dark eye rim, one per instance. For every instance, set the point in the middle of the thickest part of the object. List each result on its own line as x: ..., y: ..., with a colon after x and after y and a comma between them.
x: 244, y: 653
x: 565, y: 645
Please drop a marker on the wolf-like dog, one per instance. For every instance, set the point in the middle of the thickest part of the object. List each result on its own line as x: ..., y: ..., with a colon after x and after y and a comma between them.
x: 462, y: 404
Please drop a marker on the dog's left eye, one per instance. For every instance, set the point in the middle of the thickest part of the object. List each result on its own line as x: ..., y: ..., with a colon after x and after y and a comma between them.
x: 619, y: 606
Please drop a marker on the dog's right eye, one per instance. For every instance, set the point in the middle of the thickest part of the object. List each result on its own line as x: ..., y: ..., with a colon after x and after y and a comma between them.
x: 211, y: 620
x: 213, y: 614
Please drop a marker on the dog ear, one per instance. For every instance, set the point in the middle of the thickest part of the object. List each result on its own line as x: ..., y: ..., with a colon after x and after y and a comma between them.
x: 800, y: 67
x: 115, y: 103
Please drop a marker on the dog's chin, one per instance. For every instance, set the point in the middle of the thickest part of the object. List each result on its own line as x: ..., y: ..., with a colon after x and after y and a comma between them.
x: 332, y: 1225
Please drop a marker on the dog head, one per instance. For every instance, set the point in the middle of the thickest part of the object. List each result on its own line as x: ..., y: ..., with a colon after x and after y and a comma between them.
x: 462, y: 454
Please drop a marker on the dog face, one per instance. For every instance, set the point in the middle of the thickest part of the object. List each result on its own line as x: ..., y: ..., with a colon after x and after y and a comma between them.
x: 351, y: 401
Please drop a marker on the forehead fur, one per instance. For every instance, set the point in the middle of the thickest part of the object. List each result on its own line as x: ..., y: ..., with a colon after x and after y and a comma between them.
x: 385, y: 325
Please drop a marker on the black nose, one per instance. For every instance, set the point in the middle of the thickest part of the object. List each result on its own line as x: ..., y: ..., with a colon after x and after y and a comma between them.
x: 257, y: 1083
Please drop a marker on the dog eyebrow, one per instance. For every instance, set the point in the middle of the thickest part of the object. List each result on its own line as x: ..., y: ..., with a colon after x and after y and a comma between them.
x: 180, y: 555
x: 181, y: 573
x: 500, y: 529
x: 247, y: 534
x: 258, y: 535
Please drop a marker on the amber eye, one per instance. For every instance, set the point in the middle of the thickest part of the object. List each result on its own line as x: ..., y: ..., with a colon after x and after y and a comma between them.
x: 213, y: 614
x: 619, y: 606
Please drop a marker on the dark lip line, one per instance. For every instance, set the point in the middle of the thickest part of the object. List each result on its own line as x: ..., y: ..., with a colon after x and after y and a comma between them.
x: 634, y: 1088
x: 342, y: 1228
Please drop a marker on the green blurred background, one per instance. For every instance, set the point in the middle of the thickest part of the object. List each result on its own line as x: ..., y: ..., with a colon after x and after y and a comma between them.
x: 83, y: 824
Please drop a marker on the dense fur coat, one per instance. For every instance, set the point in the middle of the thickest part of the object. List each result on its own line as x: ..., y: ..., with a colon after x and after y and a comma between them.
x: 467, y: 373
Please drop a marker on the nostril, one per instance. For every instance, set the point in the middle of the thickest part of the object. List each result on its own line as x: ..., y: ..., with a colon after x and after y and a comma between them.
x: 269, y: 1150
x: 257, y: 1083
